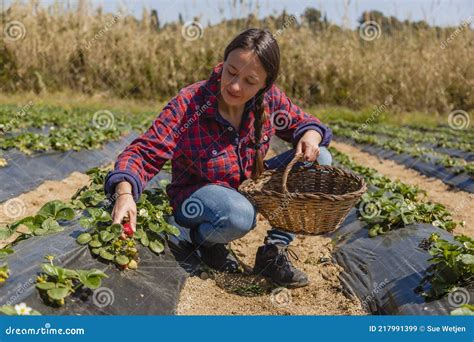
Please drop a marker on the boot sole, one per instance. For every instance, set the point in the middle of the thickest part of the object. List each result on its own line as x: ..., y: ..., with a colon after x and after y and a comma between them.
x: 293, y: 285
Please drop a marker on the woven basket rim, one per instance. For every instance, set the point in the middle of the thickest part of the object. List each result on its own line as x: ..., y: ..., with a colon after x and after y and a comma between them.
x: 306, y: 195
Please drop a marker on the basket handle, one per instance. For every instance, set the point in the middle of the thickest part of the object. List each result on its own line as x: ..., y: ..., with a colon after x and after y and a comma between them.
x: 295, y: 159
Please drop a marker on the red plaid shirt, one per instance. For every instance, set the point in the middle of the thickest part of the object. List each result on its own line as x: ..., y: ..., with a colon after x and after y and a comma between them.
x: 203, y: 147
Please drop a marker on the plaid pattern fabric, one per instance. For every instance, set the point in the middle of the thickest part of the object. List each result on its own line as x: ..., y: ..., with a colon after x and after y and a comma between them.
x: 203, y: 147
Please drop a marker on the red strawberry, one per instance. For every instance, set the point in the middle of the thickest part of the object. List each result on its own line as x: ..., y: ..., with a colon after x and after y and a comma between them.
x: 127, y: 229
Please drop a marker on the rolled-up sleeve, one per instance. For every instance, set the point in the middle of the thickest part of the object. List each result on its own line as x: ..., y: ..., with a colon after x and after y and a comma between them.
x: 146, y: 155
x: 291, y: 122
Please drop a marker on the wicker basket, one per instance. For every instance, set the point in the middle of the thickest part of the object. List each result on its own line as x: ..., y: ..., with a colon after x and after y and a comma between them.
x: 310, y: 200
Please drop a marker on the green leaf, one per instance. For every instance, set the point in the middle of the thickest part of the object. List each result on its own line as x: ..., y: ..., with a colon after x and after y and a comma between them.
x: 28, y: 221
x: 467, y: 259
x: 52, y: 208
x: 87, y: 222
x: 8, y: 310
x: 84, y: 238
x: 92, y: 282
x: 106, y: 236
x: 106, y: 255
x: 5, y: 233
x: 156, y: 228
x: 172, y: 230
x: 99, y: 215
x: 139, y: 234
x: 41, y: 231
x: 65, y: 214
x: 69, y: 273
x: 49, y: 270
x: 6, y: 251
x: 374, y: 231
x: 95, y: 251
x: 51, y: 225
x: 116, y: 229
x: 462, y: 312
x: 46, y: 286
x: 96, y: 273
x: 122, y: 260
x: 58, y: 293
x: 95, y: 243
x: 144, y: 240
x: 156, y: 246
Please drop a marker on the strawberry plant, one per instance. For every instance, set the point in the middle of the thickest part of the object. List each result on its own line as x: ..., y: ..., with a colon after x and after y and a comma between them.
x: 55, y: 283
x: 152, y: 227
x: 63, y: 129
x: 4, y: 273
x: 105, y: 240
x: 392, y: 204
x: 385, y: 211
x: 400, y: 144
x: 46, y: 221
x: 452, y: 266
x: 4, y: 270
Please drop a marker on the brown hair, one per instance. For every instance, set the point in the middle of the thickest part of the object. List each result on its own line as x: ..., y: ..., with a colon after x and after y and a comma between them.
x: 265, y: 46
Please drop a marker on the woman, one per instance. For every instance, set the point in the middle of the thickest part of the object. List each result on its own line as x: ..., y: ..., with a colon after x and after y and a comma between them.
x: 216, y: 133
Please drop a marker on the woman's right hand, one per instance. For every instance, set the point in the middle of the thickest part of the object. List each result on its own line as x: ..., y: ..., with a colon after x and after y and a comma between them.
x: 125, y: 206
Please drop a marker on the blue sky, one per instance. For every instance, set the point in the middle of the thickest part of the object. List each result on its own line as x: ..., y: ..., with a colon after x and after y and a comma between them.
x: 435, y: 12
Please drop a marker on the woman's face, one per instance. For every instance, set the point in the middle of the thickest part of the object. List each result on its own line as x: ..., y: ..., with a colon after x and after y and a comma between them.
x: 242, y: 77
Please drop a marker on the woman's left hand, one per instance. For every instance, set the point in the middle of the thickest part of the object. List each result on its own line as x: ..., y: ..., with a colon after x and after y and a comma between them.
x: 309, y: 145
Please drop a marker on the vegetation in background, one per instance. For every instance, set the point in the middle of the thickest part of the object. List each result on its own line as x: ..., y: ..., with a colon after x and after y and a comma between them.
x: 117, y: 54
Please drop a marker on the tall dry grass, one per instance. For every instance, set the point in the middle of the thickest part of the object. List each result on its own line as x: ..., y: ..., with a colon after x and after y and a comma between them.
x: 92, y: 52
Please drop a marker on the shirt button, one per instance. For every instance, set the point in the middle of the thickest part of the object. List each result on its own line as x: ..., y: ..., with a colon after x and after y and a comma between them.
x: 265, y: 138
x: 230, y: 128
x: 214, y: 152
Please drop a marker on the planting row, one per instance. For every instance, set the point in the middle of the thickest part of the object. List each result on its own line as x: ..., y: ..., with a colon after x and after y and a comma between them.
x: 114, y: 243
x: 402, y: 145
x: 40, y: 128
x: 392, y: 205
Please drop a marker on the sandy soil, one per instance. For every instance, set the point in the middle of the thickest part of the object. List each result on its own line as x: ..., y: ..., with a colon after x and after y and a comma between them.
x: 460, y: 203
x: 323, y: 296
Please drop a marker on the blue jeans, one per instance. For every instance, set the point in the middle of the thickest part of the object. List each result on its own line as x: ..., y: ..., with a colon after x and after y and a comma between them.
x: 219, y: 214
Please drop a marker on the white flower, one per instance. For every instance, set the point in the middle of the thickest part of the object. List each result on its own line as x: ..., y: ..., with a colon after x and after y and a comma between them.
x: 159, y: 215
x: 143, y: 212
x: 22, y: 309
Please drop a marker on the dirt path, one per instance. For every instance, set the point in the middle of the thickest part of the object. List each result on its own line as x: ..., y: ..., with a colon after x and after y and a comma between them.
x: 323, y: 296
x: 460, y: 203
x: 30, y: 202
